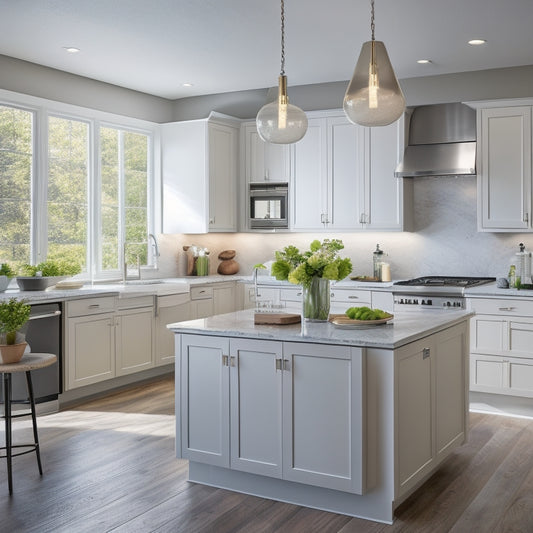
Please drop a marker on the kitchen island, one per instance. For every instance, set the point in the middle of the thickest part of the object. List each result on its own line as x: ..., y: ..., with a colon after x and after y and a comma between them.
x: 345, y: 420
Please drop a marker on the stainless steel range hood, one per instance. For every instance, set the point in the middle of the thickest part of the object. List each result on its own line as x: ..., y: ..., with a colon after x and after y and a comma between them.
x: 442, y: 142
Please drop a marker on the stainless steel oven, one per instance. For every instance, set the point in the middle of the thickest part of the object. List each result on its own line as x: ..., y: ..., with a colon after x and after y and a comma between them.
x: 269, y: 205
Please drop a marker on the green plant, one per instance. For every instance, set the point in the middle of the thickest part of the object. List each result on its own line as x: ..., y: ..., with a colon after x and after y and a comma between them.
x: 6, y: 270
x: 322, y: 260
x: 51, y: 268
x: 13, y: 315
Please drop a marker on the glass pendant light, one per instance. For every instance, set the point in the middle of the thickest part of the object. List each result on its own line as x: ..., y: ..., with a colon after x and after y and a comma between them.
x: 280, y: 122
x: 374, y: 96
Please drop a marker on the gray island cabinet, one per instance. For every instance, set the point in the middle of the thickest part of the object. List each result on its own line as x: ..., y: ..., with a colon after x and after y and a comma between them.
x: 346, y: 420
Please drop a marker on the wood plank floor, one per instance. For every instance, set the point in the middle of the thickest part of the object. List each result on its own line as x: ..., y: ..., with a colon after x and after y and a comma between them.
x: 109, y: 466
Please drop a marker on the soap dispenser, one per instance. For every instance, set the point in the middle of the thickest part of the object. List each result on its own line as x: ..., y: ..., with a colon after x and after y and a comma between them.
x: 523, y: 265
x: 377, y: 258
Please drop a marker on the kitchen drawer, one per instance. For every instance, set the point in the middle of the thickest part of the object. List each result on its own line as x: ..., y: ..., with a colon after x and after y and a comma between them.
x: 268, y: 293
x: 170, y: 300
x: 355, y: 297
x: 291, y: 295
x: 501, y: 307
x: 90, y: 306
x: 201, y: 293
x: 135, y: 302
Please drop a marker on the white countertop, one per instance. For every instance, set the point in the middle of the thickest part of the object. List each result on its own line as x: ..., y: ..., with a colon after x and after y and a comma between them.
x: 406, y: 327
x: 490, y: 290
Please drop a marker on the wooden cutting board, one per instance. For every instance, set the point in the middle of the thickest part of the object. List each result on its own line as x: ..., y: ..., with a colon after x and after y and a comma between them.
x: 277, y: 318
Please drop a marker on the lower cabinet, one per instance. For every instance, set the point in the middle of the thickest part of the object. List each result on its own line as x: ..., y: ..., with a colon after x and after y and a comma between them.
x: 213, y: 299
x: 286, y: 410
x: 501, y: 347
x: 104, y: 339
x: 430, y: 403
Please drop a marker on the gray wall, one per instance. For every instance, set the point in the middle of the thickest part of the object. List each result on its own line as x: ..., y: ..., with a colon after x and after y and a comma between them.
x: 36, y: 80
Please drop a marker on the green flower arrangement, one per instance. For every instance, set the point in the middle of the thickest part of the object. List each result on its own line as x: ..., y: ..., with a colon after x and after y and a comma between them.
x: 51, y: 268
x: 6, y: 270
x: 322, y: 260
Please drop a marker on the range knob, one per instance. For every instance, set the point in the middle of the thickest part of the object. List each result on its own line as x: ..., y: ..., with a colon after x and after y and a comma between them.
x: 429, y: 302
x: 423, y: 302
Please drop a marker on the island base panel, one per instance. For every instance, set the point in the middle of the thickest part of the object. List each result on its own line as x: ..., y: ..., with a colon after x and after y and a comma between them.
x: 376, y: 505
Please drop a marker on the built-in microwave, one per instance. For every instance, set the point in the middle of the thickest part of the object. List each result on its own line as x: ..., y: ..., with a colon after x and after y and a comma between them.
x: 269, y: 205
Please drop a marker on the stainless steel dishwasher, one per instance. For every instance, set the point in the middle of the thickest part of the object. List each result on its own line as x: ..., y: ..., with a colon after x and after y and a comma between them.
x: 43, y: 335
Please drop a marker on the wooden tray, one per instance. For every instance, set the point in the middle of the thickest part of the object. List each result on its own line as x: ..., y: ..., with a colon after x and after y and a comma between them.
x: 277, y: 318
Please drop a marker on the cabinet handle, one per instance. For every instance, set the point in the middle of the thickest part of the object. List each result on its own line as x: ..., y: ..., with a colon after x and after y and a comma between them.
x: 506, y: 308
x: 286, y: 365
x: 225, y: 360
x: 426, y: 353
x: 526, y: 218
x: 232, y: 360
x: 278, y: 364
x: 94, y: 306
x: 352, y: 297
x: 267, y: 176
x: 299, y: 293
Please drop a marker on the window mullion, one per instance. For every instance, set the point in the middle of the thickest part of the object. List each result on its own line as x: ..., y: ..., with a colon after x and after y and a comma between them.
x: 39, y: 212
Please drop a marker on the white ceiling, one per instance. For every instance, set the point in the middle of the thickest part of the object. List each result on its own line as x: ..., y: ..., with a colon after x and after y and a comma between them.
x: 155, y: 46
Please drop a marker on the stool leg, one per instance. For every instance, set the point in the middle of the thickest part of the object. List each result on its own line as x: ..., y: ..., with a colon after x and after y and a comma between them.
x: 7, y: 416
x: 34, y: 420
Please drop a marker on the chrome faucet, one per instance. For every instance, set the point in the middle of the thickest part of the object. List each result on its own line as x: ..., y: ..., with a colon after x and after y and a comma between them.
x: 156, y: 250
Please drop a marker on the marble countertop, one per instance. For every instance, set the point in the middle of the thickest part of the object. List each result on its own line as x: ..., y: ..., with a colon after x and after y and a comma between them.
x: 406, y: 327
x: 490, y: 290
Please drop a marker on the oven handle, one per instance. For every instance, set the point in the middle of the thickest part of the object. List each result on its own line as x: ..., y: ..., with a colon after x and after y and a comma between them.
x: 45, y: 315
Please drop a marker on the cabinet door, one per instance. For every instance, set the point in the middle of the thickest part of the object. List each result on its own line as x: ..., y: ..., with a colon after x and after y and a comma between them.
x: 164, y: 338
x: 520, y: 377
x: 204, y: 399
x: 309, y: 190
x: 414, y: 413
x: 255, y: 406
x: 323, y: 423
x: 265, y: 161
x: 487, y: 373
x: 223, y: 300
x: 90, y: 356
x: 488, y: 334
x: 504, y: 176
x: 222, y: 177
x: 521, y: 336
x: 134, y: 341
x: 345, y: 173
x: 383, y: 191
x: 202, y: 308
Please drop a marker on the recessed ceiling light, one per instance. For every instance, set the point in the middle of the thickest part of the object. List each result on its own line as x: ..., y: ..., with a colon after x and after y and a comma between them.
x: 187, y: 84
x: 423, y: 61
x: 71, y: 49
x: 475, y: 42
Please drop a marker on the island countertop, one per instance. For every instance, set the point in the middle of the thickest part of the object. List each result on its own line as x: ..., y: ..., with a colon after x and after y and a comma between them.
x: 404, y: 328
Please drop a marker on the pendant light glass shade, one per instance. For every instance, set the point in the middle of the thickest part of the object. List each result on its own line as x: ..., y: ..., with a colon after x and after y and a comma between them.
x: 280, y: 122
x: 374, y: 96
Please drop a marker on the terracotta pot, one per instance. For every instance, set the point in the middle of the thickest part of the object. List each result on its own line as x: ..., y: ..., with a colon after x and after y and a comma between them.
x: 12, y: 353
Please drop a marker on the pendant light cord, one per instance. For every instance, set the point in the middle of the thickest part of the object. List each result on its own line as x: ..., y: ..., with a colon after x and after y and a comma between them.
x: 282, y: 73
x: 372, y: 25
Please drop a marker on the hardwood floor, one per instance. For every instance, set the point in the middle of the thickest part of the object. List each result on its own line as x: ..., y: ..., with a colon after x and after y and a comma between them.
x: 109, y: 466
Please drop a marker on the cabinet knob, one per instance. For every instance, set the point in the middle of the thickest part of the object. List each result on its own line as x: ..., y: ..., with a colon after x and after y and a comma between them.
x: 506, y: 308
x: 225, y: 360
x: 426, y: 352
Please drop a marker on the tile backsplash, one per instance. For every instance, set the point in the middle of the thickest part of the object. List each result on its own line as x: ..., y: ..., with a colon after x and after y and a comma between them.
x: 445, y: 240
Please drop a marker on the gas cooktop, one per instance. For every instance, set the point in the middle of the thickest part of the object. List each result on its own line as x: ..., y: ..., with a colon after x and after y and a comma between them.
x: 439, y: 284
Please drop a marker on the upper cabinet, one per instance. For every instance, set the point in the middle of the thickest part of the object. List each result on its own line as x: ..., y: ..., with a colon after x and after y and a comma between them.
x: 264, y: 161
x: 504, y: 169
x: 343, y: 177
x: 199, y: 169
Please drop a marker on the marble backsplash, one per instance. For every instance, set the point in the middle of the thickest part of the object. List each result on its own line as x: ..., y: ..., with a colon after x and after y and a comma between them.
x: 445, y: 240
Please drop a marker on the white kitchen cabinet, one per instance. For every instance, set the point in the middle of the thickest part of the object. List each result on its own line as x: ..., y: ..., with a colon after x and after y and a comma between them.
x: 212, y: 299
x: 89, y: 341
x: 264, y: 162
x: 343, y: 177
x: 342, y: 299
x: 504, y: 169
x: 169, y: 309
x: 134, y: 340
x: 204, y: 400
x: 430, y: 403
x: 288, y: 410
x: 501, y: 346
x: 255, y: 406
x: 199, y: 170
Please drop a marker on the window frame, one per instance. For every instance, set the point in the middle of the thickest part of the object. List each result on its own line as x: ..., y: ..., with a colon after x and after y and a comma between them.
x: 41, y: 110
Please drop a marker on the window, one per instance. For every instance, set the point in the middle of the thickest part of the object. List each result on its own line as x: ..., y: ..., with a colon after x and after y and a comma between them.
x: 16, y: 164
x: 80, y: 191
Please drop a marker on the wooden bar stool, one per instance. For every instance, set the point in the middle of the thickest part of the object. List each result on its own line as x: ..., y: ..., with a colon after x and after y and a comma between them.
x: 29, y: 362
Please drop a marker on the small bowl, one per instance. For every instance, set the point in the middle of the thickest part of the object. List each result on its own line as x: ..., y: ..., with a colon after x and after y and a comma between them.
x: 37, y: 283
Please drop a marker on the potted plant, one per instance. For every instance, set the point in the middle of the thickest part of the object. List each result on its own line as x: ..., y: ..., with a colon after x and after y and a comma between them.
x: 6, y: 273
x: 39, y: 277
x: 313, y: 270
x: 13, y: 315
